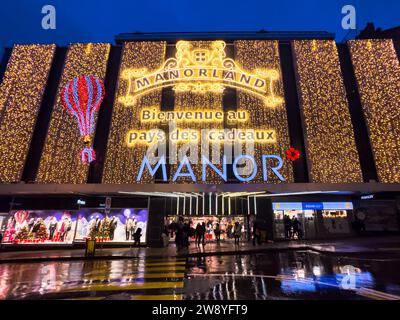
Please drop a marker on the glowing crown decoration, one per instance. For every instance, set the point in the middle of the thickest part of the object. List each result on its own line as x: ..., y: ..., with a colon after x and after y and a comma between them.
x: 200, y: 71
x: 82, y: 97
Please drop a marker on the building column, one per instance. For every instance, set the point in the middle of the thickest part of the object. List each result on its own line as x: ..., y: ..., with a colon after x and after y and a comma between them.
x: 155, y: 223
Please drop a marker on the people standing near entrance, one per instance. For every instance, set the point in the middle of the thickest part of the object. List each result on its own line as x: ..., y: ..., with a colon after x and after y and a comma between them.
x: 186, y: 235
x: 136, y: 237
x: 256, y: 234
x: 237, y: 232
x: 288, y: 226
x: 165, y: 237
x: 296, y: 227
x: 217, y: 232
x: 197, y: 233
x: 179, y: 234
x: 200, y: 233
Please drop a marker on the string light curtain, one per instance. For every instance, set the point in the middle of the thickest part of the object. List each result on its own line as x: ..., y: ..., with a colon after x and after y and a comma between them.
x: 189, y: 100
x: 251, y: 55
x: 330, y: 146
x: 122, y: 163
x: 61, y: 160
x: 378, y: 77
x: 21, y: 94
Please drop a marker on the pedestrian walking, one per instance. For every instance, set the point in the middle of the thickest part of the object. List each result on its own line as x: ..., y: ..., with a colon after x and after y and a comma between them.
x: 288, y: 226
x: 165, y: 237
x: 256, y: 234
x: 296, y: 227
x: 237, y: 232
x: 179, y: 236
x: 136, y: 236
x: 217, y: 232
x: 200, y: 233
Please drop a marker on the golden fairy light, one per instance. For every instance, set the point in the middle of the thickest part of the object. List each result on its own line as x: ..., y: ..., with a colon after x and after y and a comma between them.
x: 122, y: 163
x: 251, y: 55
x: 60, y: 161
x: 330, y: 145
x: 378, y: 77
x: 21, y: 94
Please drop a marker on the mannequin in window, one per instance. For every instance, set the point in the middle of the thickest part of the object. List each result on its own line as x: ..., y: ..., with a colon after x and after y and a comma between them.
x: 113, y: 226
x: 31, y: 223
x: 133, y: 228
x: 36, y: 226
x: 62, y: 229
x: 128, y: 227
x: 97, y: 224
x: 52, y: 227
x: 68, y: 226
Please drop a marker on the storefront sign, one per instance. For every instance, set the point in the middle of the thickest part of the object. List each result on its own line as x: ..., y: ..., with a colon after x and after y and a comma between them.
x: 312, y: 206
x: 185, y: 168
x: 201, y: 70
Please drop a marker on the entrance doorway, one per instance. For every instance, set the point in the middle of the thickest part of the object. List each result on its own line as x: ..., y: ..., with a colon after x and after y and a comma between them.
x: 306, y: 219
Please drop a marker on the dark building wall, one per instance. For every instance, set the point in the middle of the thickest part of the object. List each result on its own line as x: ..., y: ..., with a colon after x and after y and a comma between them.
x: 157, y: 209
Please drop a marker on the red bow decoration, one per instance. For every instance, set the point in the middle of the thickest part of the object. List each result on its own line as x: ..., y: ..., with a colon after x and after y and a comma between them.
x: 292, y: 154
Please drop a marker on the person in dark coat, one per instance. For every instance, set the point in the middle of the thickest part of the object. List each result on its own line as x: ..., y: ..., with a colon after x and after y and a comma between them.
x: 256, y: 234
x: 296, y: 227
x: 288, y: 227
x: 136, y: 236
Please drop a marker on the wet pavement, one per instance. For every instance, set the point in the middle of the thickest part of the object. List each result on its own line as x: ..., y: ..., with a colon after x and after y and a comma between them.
x: 275, y: 275
x: 292, y: 275
x: 383, y: 245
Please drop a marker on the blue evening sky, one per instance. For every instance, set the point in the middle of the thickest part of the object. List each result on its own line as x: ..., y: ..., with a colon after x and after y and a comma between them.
x: 90, y: 20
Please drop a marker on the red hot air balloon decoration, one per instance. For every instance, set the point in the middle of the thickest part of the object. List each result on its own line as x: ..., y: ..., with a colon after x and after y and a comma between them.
x: 82, y: 98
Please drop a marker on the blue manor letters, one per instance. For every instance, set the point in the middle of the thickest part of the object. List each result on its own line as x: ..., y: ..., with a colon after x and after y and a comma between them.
x: 207, y: 163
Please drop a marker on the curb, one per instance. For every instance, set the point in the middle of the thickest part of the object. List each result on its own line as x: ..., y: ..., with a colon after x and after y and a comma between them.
x: 189, y: 255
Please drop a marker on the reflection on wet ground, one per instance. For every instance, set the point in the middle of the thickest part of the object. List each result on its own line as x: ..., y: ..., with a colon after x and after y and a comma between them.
x: 278, y: 275
x: 291, y: 275
x: 97, y: 279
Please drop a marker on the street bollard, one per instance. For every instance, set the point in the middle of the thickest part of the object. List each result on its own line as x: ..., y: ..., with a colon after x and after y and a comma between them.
x: 90, y: 248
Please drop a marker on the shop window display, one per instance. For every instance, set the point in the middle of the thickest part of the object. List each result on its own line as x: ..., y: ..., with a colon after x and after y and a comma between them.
x: 25, y: 226
x: 119, y: 225
x: 52, y: 227
x: 336, y: 221
x: 284, y: 221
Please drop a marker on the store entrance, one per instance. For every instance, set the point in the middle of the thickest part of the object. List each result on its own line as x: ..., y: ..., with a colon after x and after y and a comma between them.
x: 226, y: 224
x: 294, y: 224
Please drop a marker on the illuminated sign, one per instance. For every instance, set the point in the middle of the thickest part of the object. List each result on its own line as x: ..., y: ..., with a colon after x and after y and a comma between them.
x: 201, y: 70
x: 154, y: 136
x: 312, y: 206
x: 366, y: 197
x: 153, y: 115
x: 185, y: 168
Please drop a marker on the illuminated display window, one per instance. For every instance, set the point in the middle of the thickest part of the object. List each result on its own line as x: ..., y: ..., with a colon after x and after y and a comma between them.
x: 61, y: 159
x: 330, y: 146
x: 64, y: 226
x: 20, y: 97
x: 378, y: 77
